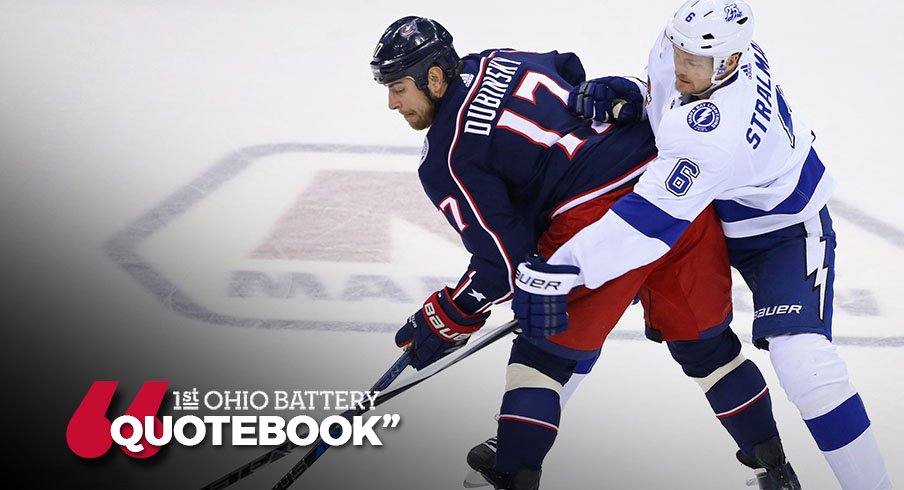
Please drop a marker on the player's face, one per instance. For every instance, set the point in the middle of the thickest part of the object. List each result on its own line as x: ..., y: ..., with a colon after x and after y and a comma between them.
x: 412, y: 103
x: 693, y: 73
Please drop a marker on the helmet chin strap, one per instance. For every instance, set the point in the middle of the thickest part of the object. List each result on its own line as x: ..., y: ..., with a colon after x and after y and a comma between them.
x: 719, y: 70
x: 720, y: 67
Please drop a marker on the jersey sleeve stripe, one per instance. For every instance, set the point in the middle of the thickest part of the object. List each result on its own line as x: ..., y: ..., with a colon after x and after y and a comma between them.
x: 648, y: 219
x: 464, y: 284
x: 810, y: 175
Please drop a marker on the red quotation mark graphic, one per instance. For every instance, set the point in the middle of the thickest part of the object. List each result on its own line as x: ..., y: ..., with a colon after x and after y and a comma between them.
x: 88, y: 433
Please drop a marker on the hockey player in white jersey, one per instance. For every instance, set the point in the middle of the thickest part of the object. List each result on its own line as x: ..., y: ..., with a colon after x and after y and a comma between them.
x: 726, y: 134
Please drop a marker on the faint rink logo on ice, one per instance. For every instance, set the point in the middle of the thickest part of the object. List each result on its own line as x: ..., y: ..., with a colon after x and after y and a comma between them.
x: 344, y: 216
x: 341, y: 216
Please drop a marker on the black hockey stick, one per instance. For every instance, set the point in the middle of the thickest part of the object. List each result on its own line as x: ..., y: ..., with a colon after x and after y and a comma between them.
x: 287, y: 447
x: 314, y: 453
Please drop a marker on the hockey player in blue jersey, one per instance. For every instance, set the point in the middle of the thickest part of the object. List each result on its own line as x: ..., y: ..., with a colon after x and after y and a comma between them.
x: 516, y: 174
x: 726, y: 134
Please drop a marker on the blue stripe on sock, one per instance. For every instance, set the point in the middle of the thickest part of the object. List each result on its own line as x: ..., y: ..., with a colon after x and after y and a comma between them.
x: 841, y: 426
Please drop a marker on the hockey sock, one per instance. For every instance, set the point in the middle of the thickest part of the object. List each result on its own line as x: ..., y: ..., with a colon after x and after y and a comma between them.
x: 741, y: 402
x: 529, y: 416
x: 528, y: 425
x: 734, y: 387
x: 816, y: 380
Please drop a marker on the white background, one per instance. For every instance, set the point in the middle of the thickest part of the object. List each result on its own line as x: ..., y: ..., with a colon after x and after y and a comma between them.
x: 108, y: 107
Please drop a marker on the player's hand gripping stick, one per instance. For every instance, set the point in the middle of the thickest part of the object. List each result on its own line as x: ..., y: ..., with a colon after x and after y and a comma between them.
x: 615, y: 100
x: 437, y: 329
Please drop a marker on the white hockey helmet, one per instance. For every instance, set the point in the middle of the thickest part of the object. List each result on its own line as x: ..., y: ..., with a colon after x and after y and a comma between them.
x: 717, y: 28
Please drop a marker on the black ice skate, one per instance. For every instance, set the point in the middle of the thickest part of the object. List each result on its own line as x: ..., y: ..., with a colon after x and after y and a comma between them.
x: 772, y: 470
x: 482, y: 459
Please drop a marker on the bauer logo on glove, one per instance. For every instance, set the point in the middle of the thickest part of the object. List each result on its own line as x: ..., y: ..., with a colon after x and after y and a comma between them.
x: 441, y: 329
x: 540, y: 283
x: 437, y: 329
x: 540, y: 301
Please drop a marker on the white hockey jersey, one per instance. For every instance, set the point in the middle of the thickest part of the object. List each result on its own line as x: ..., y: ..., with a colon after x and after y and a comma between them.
x: 741, y: 149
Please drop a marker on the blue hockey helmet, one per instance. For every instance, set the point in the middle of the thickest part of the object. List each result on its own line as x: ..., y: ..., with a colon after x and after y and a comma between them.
x: 409, y: 47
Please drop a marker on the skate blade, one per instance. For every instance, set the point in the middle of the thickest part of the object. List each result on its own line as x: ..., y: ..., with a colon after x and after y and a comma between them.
x: 474, y: 480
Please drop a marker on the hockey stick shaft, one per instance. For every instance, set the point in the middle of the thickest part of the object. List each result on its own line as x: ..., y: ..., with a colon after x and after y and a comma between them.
x: 315, y: 452
x: 287, y: 447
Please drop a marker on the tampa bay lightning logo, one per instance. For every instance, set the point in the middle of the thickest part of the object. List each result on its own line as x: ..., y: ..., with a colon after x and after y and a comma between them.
x: 732, y: 12
x: 408, y: 29
x: 704, y: 117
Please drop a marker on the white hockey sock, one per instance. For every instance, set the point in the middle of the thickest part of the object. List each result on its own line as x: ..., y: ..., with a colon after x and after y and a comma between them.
x: 859, y: 465
x: 581, y: 371
x: 815, y: 378
x: 570, y: 388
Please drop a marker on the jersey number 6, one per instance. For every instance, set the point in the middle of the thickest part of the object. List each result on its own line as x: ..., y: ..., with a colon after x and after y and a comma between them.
x: 682, y: 177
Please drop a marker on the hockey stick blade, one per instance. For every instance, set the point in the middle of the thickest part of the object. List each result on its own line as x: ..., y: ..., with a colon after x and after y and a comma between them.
x: 477, y: 344
x: 287, y: 447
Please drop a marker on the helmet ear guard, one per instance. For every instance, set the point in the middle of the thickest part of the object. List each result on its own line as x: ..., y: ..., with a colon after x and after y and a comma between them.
x: 714, y: 28
x: 409, y: 47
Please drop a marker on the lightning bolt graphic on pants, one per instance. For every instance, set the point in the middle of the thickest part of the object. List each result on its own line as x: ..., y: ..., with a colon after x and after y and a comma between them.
x: 816, y: 258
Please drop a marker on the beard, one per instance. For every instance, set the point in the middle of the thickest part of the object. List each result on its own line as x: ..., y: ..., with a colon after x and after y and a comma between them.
x: 685, y: 88
x: 423, y: 120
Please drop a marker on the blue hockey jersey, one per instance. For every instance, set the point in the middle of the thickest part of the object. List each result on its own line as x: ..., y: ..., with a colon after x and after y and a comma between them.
x: 504, y: 156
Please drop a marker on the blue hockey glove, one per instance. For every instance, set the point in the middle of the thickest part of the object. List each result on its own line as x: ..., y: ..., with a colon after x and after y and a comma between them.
x: 541, y: 296
x: 615, y: 100
x: 437, y: 329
